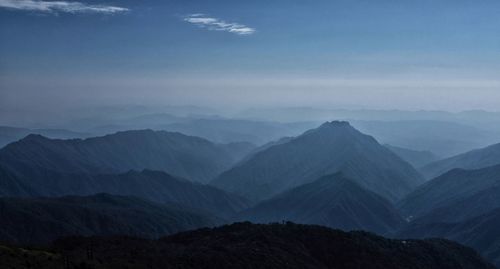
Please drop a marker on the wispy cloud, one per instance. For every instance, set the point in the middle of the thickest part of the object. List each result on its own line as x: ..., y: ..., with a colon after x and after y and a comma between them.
x: 216, y: 24
x: 60, y: 6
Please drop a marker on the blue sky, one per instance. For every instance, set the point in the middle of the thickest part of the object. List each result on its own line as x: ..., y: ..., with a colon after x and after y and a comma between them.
x: 373, y: 54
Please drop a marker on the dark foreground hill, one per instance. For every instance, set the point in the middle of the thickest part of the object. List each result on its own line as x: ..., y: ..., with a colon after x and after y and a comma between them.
x: 332, y: 147
x: 245, y: 245
x: 185, y: 156
x: 333, y: 201
x: 42, y: 220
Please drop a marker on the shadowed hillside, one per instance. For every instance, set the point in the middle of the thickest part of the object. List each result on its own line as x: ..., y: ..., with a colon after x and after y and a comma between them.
x: 42, y: 220
x: 152, y: 185
x: 334, y: 201
x: 458, y: 194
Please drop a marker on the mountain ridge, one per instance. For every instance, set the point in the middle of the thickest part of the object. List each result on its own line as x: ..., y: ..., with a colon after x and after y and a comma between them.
x: 189, y: 157
x: 334, y: 201
x: 474, y: 159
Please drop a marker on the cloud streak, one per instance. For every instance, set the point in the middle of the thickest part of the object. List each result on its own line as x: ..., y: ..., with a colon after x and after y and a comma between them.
x: 215, y: 24
x: 59, y: 6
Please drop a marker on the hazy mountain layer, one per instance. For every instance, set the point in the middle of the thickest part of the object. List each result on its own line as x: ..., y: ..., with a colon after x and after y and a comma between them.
x: 474, y: 159
x: 233, y: 130
x: 12, y: 134
x: 246, y: 245
x: 42, y: 220
x: 190, y: 157
x: 454, y: 188
x: 333, y: 147
x: 416, y: 158
x: 443, y: 138
x: 334, y: 201
x: 151, y: 185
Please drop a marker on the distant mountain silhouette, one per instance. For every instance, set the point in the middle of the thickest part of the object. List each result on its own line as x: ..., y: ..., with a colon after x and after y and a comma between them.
x: 442, y: 137
x: 330, y: 148
x: 456, y: 195
x: 481, y: 233
x: 42, y: 220
x: 152, y: 185
x: 189, y: 157
x: 416, y: 158
x: 224, y: 130
x: 474, y: 159
x: 11, y: 134
x: 245, y: 245
x: 334, y: 201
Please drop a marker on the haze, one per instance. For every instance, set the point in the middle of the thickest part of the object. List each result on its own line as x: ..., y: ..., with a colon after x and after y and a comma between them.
x: 430, y: 55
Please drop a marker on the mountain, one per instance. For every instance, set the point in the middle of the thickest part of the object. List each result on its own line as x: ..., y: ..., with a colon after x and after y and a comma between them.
x: 332, y: 147
x: 480, y: 233
x: 416, y: 158
x: 334, y: 201
x: 245, y: 245
x: 189, y: 157
x: 11, y: 134
x: 42, y: 220
x: 151, y: 185
x: 455, y: 189
x: 474, y: 159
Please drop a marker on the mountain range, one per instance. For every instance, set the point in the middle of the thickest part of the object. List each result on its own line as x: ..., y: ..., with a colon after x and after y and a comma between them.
x: 148, y: 184
x: 189, y: 157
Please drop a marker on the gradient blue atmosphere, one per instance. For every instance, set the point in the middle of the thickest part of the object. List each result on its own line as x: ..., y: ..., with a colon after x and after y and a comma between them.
x: 432, y: 55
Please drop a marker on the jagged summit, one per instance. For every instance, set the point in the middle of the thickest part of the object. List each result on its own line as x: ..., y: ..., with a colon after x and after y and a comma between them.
x: 335, y: 123
x: 336, y: 130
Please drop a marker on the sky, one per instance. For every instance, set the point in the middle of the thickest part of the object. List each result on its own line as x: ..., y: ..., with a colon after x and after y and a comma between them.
x: 411, y: 55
